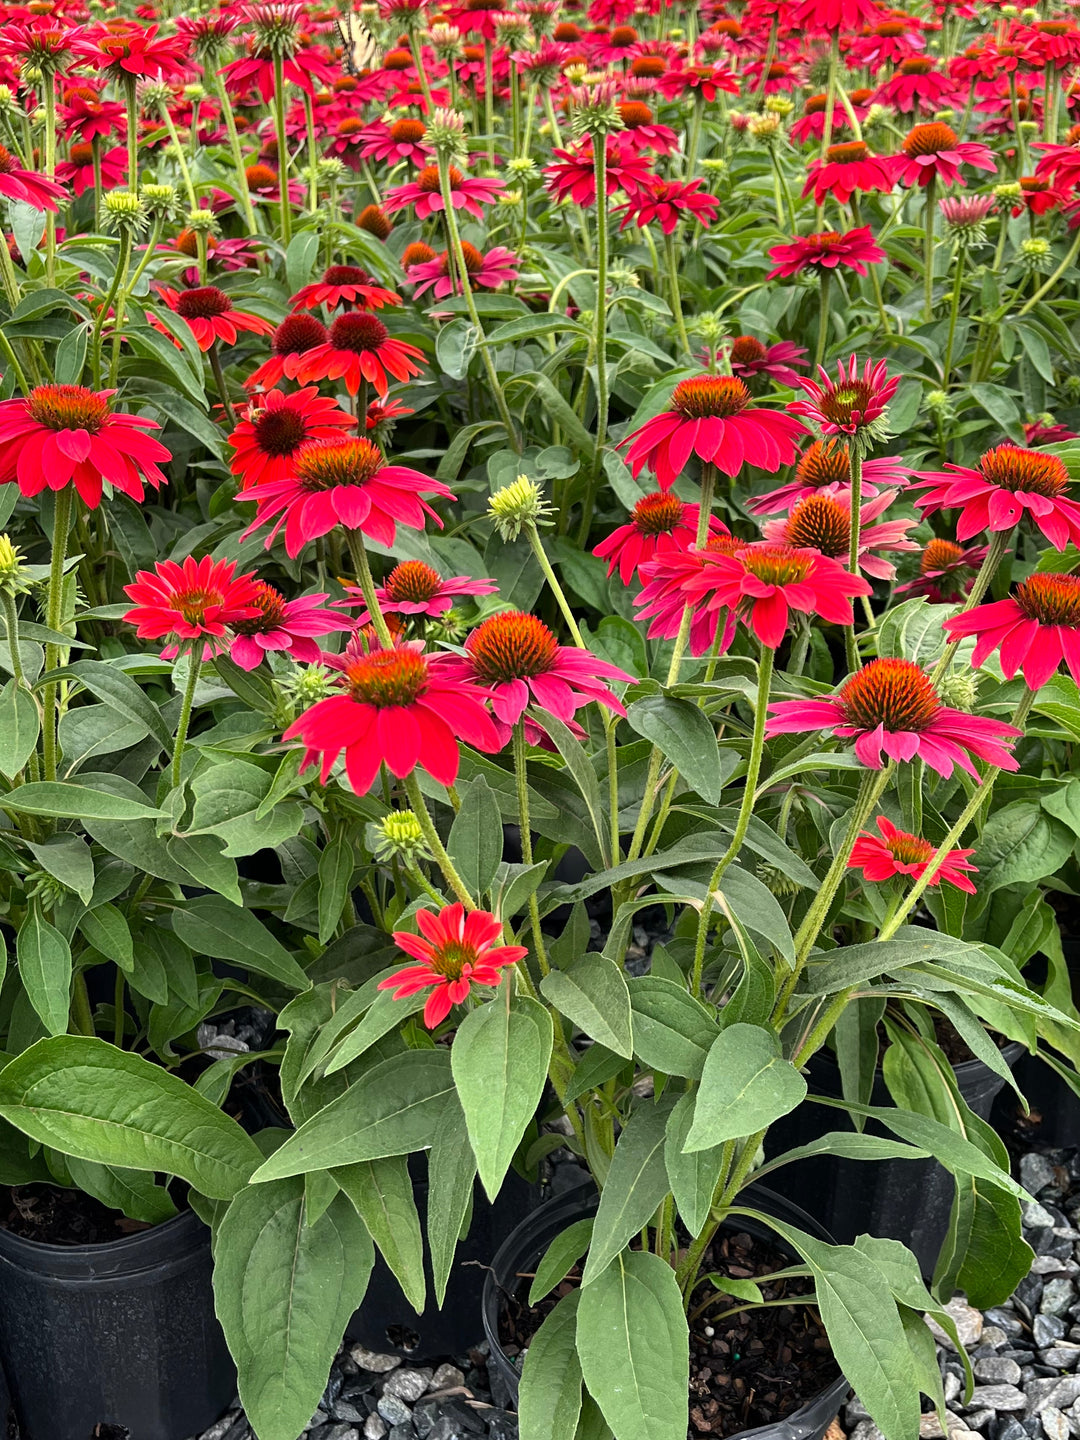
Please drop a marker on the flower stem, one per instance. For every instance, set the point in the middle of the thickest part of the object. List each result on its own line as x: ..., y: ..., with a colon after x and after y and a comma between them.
x: 235, y: 151
x: 48, y: 95
x: 533, y: 537
x: 184, y: 723
x: 954, y: 313
x: 489, y: 99
x: 671, y: 255
x: 823, y: 318
x: 355, y: 541
x: 855, y: 463
x: 119, y: 276
x: 999, y: 544
x: 521, y: 775
x: 131, y: 102
x: 1048, y: 285
x: 219, y: 380
x: 599, y: 146
x: 928, y: 250
x: 11, y: 623
x: 830, y: 93
x: 434, y: 844
x: 313, y: 156
x: 54, y: 614
x: 180, y: 158
x: 282, y: 146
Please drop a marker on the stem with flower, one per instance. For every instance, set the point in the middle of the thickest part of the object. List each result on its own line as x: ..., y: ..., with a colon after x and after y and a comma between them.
x: 434, y: 843
x: 521, y: 777
x: 48, y: 95
x: 999, y: 545
x: 282, y: 145
x: 119, y: 276
x: 221, y: 90
x: 928, y: 249
x: 954, y: 312
x: 1048, y: 285
x: 54, y: 619
x: 855, y: 459
x: 825, y: 284
x: 672, y: 258
x: 130, y: 87
x: 355, y: 541
x: 186, y: 705
x: 177, y: 152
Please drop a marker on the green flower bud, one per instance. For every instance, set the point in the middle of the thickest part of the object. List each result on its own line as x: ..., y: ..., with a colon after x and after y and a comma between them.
x: 517, y: 505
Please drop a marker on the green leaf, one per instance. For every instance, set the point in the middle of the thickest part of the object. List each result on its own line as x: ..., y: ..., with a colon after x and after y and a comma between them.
x: 212, y: 925
x: 984, y: 1251
x: 20, y: 725
x: 747, y: 1084
x: 77, y: 798
x: 204, y: 858
x: 455, y: 346
x: 384, y: 1014
x: 133, y: 1192
x: 633, y: 1345
x: 106, y: 929
x: 849, y: 1145
x: 121, y: 693
x: 451, y: 1181
x: 684, y: 735
x: 284, y: 1290
x: 692, y: 1177
x: 86, y: 1098
x: 382, y: 1192
x: 593, y: 994
x: 68, y: 859
x: 393, y: 1110
x: 228, y: 801
x: 1021, y: 842
x: 300, y: 258
x: 560, y: 1258
x: 583, y: 772
x: 500, y: 1061
x: 44, y: 958
x: 475, y: 842
x: 635, y: 1185
x: 337, y: 861
x: 672, y: 1030
x: 71, y: 356
x: 530, y: 326
x: 1001, y: 406
x: 549, y: 1395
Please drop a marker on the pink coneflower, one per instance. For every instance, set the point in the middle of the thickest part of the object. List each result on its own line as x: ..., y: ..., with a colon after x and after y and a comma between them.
x: 343, y: 482
x: 658, y: 523
x: 712, y: 417
x: 413, y: 588
x: 1009, y: 483
x: 890, y: 708
x: 1061, y: 163
x: 1033, y: 630
x: 134, y: 50
x: 572, y: 175
x: 1052, y: 42
x: 456, y: 950
x: 1038, y: 196
x: 359, y: 349
x: 811, y: 123
x: 1041, y: 433
x: 932, y: 152
x: 853, y: 404
x: 708, y: 81
x: 946, y: 571
x: 26, y: 186
x: 641, y: 131
x: 896, y: 852
x: 917, y: 85
x: 198, y: 600
x: 398, y: 141
x: 825, y: 252
x: 78, y: 169
x: 823, y: 17
x: 210, y: 315
x: 966, y: 215
x: 292, y: 626
x: 667, y: 581
x: 467, y: 192
x: 269, y: 436
x: 824, y: 468
x: 87, y: 116
x: 845, y: 169
x: 497, y: 267
x: 823, y: 522
x: 344, y: 287
x: 667, y: 202
x: 751, y: 359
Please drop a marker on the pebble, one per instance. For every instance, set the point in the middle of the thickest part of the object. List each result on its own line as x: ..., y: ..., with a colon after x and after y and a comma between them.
x: 1059, y: 1391
x: 424, y: 1416
x: 930, y: 1426
x: 345, y: 1410
x: 866, y: 1430
x: 339, y: 1432
x: 997, y: 1370
x: 1062, y: 1357
x: 374, y: 1427
x: 445, y: 1429
x: 446, y: 1377
x: 1009, y: 1428
x: 393, y: 1409
x: 407, y: 1384
x: 1036, y: 1216
x: 980, y: 1419
x: 952, y: 1385
x: 369, y: 1360
x: 403, y: 1432
x: 220, y: 1427
x: 997, y: 1397
x: 1046, y: 1329
x: 1036, y: 1172
x: 969, y: 1324
x: 1054, y: 1423
x: 1058, y: 1295
x: 502, y: 1425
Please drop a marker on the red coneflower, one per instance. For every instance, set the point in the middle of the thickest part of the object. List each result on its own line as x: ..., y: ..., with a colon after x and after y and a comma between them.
x: 1033, y: 630
x: 456, y: 950
x: 400, y: 708
x: 1038, y: 196
x: 1009, y: 483
x: 667, y: 202
x: 823, y: 522
x: 896, y: 852
x: 658, y: 523
x: 497, y: 267
x: 295, y: 337
x: 641, y: 131
x: 78, y: 169
x: 712, y: 418
x: 413, y: 588
x: 824, y: 17
x: 86, y: 115
x: 853, y: 405
x: 826, y: 251
x: 197, y: 600
x: 63, y: 435
x: 467, y: 192
x: 845, y: 169
x: 668, y: 578
x: 946, y: 571
x: 343, y: 482
x: 134, y: 50
x: 292, y: 626
x: 374, y: 219
x: 932, y: 151
x: 398, y: 141
x: 824, y: 468
x: 917, y: 85
x: 266, y: 441
x: 751, y: 358
x: 210, y: 315
x: 26, y: 186
x: 344, y: 287
x: 890, y: 707
x: 359, y: 348
x: 572, y: 174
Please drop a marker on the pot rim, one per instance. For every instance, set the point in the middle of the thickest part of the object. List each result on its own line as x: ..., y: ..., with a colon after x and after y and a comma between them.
x: 128, y: 1255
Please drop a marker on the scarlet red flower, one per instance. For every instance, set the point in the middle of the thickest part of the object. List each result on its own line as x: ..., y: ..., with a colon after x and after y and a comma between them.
x: 279, y: 624
x: 457, y: 949
x: 897, y: 852
x: 398, y: 707
x: 668, y: 201
x: 78, y: 170
x: 1038, y: 196
x: 641, y: 131
x: 196, y: 600
x: 946, y: 571
x: 135, y: 50
x: 823, y: 522
x: 343, y: 482
x: 851, y: 406
x: 68, y: 435
x: 750, y: 358
x: 344, y: 287
x: 400, y: 140
x: 891, y: 707
x: 497, y: 267
x: 267, y: 440
x: 210, y: 315
x: 845, y: 169
x: 1009, y: 483
x: 669, y: 578
x: 932, y: 151
x: 825, y: 251
x: 712, y: 418
x: 467, y: 192
x: 26, y: 186
x: 359, y: 348
x: 572, y: 173
x: 706, y: 80
x: 917, y: 85
x: 84, y: 114
x: 413, y: 588
x: 824, y: 17
x: 1033, y: 630
x: 295, y: 337
x: 659, y: 523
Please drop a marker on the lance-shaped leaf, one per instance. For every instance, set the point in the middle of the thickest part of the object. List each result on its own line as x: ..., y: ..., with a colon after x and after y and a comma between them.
x: 747, y: 1084
x: 635, y: 1186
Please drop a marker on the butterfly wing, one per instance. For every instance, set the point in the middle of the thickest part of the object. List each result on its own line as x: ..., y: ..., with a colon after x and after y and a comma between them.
x: 361, y: 50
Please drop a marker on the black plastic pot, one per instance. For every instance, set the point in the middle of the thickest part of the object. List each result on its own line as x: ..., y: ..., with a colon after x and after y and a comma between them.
x: 518, y: 1257
x: 122, y: 1333
x: 388, y: 1324
x: 906, y: 1200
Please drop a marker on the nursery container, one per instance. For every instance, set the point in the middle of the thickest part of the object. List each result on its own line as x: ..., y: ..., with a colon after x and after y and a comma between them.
x: 531, y: 1239
x: 122, y: 1333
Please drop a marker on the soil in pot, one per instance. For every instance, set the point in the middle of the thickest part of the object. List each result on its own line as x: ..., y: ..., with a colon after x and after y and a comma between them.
x: 62, y: 1217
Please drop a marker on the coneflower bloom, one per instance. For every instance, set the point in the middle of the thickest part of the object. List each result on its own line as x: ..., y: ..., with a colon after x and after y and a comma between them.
x: 294, y: 338
x: 712, y: 417
x: 210, y: 315
x: 932, y: 152
x: 398, y: 141
x: 708, y: 81
x: 267, y: 440
x: 572, y: 174
x: 343, y: 482
x: 413, y: 588
x: 497, y: 267
x: 78, y: 169
x: 891, y: 708
x: 667, y: 580
x: 135, y: 50
x: 1053, y: 42
x: 292, y: 626
x: 344, y: 287
x: 823, y: 17
x: 359, y: 348
x: 457, y: 949
x: 1060, y: 162
x: 1010, y: 483
x: 1032, y: 631
x: 396, y: 707
x: 825, y: 252
x: 1038, y: 196
x: 467, y: 192
x: 658, y: 523
x: 824, y: 468
x: 667, y: 202
x: 823, y: 522
x: 916, y: 85
x: 26, y: 186
x: 751, y: 359
x: 198, y: 600
x: 518, y: 660
x: 641, y: 132
x: 846, y: 168
x: 1038, y: 432
x: 852, y: 405
x: 63, y: 435
x: 896, y: 852
x: 946, y: 571
x: 86, y: 115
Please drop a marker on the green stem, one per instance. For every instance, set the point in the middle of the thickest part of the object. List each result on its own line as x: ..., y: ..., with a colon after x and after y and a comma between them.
x: 11, y: 623
x: 954, y: 313
x: 823, y: 318
x: 313, y: 156
x: 830, y: 93
x: 355, y: 541
x: 556, y: 589
x: 855, y: 464
x: 421, y: 71
x: 999, y: 544
x: 599, y: 146
x: 672, y: 258
x: 184, y: 723
x: 82, y: 1018
x: 219, y: 380
x: 119, y: 991
x: 235, y: 151
x: 928, y: 250
x: 419, y: 808
x: 54, y: 619
x: 1048, y: 285
x: 48, y: 91
x: 695, y: 136
x: 180, y: 158
x: 489, y: 100
x: 131, y: 103
x: 119, y: 275
x: 521, y: 776
x: 282, y: 146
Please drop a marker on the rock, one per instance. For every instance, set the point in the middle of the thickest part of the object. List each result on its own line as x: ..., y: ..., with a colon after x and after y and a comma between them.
x: 1028, y: 1293
x: 239, y: 1429
x: 953, y: 1385
x: 407, y: 1384
x: 1062, y: 1356
x: 369, y: 1360
x: 393, y: 1409
x: 465, y: 1418
x: 968, y: 1321
x: 1036, y: 1216
x: 221, y: 1427
x: 319, y: 1418
x: 446, y: 1377
x: 403, y: 1432
x: 997, y: 1397
x: 501, y: 1425
x: 998, y: 1371
x: 1008, y: 1428
x: 424, y: 1416
x: 339, y: 1432
x: 1036, y: 1172
x: 994, y: 1337
x: 347, y: 1411
x: 854, y: 1411
x: 980, y: 1419
x: 1046, y: 1329
x: 445, y: 1429
x: 930, y: 1426
x: 1060, y: 1392
x: 1005, y: 1320
x: 1055, y: 1424
x: 1058, y: 1295
x: 374, y: 1427
x: 866, y: 1430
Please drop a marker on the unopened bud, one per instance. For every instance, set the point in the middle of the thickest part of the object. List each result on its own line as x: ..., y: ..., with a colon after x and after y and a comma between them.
x: 518, y: 505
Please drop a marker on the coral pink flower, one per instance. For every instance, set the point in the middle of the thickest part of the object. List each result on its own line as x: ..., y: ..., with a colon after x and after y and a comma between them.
x: 135, y: 50
x: 519, y: 661
x: 658, y: 523
x: 823, y: 522
x: 708, y: 81
x: 295, y: 337
x: 398, y: 707
x: 343, y: 482
x: 642, y: 132
x: 68, y: 435
x: 1009, y: 483
x: 344, y: 287
x: 276, y: 426
x: 393, y: 143
x: 210, y: 315
x: 823, y: 17
x: 86, y: 115
x: 1033, y: 630
x: 845, y: 169
x: 668, y: 581
x: 824, y: 468
x: 457, y: 949
x: 358, y: 350
x: 279, y: 624
x: 890, y: 707
x: 932, y: 151
x: 497, y: 267
x: 572, y: 175
x: 825, y: 251
x: 946, y: 571
x: 751, y: 358
x: 26, y: 186
x: 78, y: 170
x: 667, y: 202
x: 896, y: 852
x: 916, y: 85
x: 413, y: 588
x: 712, y: 418
x: 853, y: 404
x: 200, y: 598
x: 1037, y: 433
x: 467, y: 192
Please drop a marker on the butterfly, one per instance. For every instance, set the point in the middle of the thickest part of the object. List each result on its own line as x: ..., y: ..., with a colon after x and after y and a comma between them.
x: 361, y: 50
